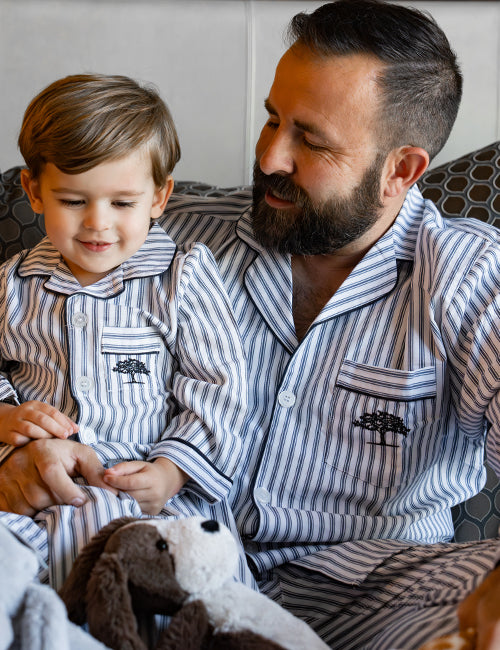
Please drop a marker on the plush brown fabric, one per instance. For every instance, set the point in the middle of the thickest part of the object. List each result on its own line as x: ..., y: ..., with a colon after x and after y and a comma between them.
x: 123, y: 577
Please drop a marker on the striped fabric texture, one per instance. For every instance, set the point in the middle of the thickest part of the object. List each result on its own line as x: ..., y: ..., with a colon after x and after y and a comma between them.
x: 375, y: 424
x: 148, y: 360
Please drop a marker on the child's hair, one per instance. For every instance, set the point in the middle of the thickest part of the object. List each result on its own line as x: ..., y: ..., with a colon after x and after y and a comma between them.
x: 83, y: 120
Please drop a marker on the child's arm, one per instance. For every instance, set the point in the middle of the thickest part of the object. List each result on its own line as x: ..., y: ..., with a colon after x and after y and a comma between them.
x: 210, y: 385
x: 151, y: 484
x: 33, y: 420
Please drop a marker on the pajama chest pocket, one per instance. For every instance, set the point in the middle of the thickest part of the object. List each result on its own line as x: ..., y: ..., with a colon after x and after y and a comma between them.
x: 387, y: 419
x: 130, y: 358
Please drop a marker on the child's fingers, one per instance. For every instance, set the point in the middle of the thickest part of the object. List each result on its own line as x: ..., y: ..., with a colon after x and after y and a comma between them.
x: 36, y: 420
x: 127, y: 476
x: 43, y: 420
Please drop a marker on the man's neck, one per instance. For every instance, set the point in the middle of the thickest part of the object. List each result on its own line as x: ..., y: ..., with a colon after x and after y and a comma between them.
x: 316, y: 278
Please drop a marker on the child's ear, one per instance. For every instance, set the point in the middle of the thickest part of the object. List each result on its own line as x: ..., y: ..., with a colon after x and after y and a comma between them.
x: 32, y: 188
x: 161, y: 198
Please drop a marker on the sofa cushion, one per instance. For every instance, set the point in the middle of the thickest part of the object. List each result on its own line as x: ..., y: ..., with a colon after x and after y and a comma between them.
x: 468, y: 186
x: 20, y: 227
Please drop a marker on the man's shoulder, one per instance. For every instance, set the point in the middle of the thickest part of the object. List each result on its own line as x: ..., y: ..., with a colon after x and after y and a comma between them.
x: 458, y: 253
x: 188, y: 218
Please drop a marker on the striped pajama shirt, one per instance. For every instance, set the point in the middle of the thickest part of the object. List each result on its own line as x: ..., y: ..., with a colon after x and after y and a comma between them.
x: 361, y: 437
x: 148, y: 361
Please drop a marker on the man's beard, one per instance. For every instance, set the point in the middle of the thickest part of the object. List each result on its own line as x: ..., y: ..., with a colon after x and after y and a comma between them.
x: 309, y: 229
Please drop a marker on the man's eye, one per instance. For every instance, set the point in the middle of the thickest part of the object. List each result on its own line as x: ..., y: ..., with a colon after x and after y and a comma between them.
x: 272, y: 125
x: 312, y: 146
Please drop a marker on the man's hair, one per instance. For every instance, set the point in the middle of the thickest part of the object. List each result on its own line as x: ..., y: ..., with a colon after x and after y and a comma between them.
x: 421, y: 82
x: 83, y: 120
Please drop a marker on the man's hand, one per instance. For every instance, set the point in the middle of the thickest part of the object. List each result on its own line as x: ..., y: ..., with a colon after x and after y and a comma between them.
x: 150, y: 484
x: 40, y: 474
x: 481, y: 611
x: 33, y: 420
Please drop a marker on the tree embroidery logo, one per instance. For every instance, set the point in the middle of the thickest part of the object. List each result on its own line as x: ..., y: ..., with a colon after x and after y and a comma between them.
x: 131, y: 367
x: 382, y: 422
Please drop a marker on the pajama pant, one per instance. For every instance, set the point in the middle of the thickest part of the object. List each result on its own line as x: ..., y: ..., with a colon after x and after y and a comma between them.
x: 410, y: 597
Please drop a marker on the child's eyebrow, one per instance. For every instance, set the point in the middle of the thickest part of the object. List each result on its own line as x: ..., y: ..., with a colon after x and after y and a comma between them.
x: 72, y: 190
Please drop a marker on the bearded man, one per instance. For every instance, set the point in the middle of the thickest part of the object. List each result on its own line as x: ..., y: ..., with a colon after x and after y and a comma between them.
x: 370, y: 326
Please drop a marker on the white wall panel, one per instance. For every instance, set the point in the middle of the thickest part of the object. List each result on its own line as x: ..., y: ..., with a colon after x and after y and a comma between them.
x: 473, y: 29
x: 194, y: 51
x: 213, y: 61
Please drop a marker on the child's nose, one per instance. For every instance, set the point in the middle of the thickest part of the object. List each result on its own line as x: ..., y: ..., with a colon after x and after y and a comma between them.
x: 96, y: 218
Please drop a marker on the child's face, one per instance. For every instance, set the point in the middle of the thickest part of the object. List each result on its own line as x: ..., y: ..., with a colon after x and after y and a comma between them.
x: 101, y: 217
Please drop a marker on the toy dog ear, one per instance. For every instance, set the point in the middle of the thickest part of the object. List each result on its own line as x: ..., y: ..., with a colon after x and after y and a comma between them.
x: 73, y: 590
x: 110, y: 614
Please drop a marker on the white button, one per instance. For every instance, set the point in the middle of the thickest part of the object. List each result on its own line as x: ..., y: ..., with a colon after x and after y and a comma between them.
x: 286, y: 398
x: 262, y: 495
x: 84, y: 384
x: 79, y: 319
x: 87, y: 436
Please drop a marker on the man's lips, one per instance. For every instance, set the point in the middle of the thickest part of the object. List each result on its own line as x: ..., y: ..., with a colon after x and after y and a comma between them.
x: 96, y: 246
x: 276, y: 201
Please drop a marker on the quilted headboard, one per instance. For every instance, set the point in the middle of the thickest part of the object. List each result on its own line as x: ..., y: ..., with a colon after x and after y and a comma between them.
x: 466, y: 187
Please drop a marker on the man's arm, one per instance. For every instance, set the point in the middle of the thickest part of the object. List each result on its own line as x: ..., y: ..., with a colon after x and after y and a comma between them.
x: 40, y: 474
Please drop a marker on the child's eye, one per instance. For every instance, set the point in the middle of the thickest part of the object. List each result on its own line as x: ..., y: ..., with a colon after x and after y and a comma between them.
x: 72, y: 203
x: 124, y: 204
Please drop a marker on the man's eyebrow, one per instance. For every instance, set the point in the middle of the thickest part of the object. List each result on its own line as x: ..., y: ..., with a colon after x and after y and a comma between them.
x: 303, y: 126
x: 269, y: 107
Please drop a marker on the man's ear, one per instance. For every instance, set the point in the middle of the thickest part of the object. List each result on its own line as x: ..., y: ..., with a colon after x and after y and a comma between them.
x: 32, y: 188
x: 403, y: 167
x: 161, y: 198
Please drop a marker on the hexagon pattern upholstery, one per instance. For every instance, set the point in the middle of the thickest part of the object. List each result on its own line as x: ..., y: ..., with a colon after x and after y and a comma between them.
x: 465, y: 187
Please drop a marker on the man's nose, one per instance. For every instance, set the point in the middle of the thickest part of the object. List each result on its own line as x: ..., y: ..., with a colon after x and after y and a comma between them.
x: 275, y: 154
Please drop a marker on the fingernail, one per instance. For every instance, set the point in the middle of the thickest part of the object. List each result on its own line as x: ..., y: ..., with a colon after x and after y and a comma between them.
x: 77, y: 502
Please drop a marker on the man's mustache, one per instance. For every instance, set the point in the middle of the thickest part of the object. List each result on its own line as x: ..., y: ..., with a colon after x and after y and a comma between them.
x: 282, y: 185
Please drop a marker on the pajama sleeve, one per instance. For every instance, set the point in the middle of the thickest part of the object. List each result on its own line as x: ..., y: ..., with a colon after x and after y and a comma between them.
x: 210, y: 388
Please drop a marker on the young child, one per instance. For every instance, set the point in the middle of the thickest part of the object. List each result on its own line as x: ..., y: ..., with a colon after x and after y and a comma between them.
x: 108, y: 335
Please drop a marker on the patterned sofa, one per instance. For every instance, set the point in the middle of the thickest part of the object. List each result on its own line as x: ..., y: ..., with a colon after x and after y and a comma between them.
x: 466, y: 187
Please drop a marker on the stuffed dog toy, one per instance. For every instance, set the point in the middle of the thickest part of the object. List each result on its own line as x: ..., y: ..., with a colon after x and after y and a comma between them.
x: 183, y: 568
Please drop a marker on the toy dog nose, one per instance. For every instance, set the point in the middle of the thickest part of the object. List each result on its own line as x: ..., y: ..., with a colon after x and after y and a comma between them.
x: 210, y: 525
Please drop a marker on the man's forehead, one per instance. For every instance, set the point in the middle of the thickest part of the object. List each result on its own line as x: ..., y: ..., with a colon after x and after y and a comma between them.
x: 334, y: 85
x: 357, y: 67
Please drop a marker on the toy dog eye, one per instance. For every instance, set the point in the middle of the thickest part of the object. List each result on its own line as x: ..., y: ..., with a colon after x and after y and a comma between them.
x: 211, y: 526
x: 162, y: 545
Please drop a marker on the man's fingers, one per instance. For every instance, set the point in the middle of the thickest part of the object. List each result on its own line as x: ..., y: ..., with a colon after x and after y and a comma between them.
x: 89, y: 466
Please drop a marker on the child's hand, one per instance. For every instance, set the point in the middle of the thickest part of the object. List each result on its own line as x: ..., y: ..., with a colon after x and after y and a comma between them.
x: 150, y: 484
x: 31, y: 421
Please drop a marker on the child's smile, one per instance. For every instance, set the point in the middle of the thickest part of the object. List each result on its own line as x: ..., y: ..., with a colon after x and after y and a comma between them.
x: 99, y: 218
